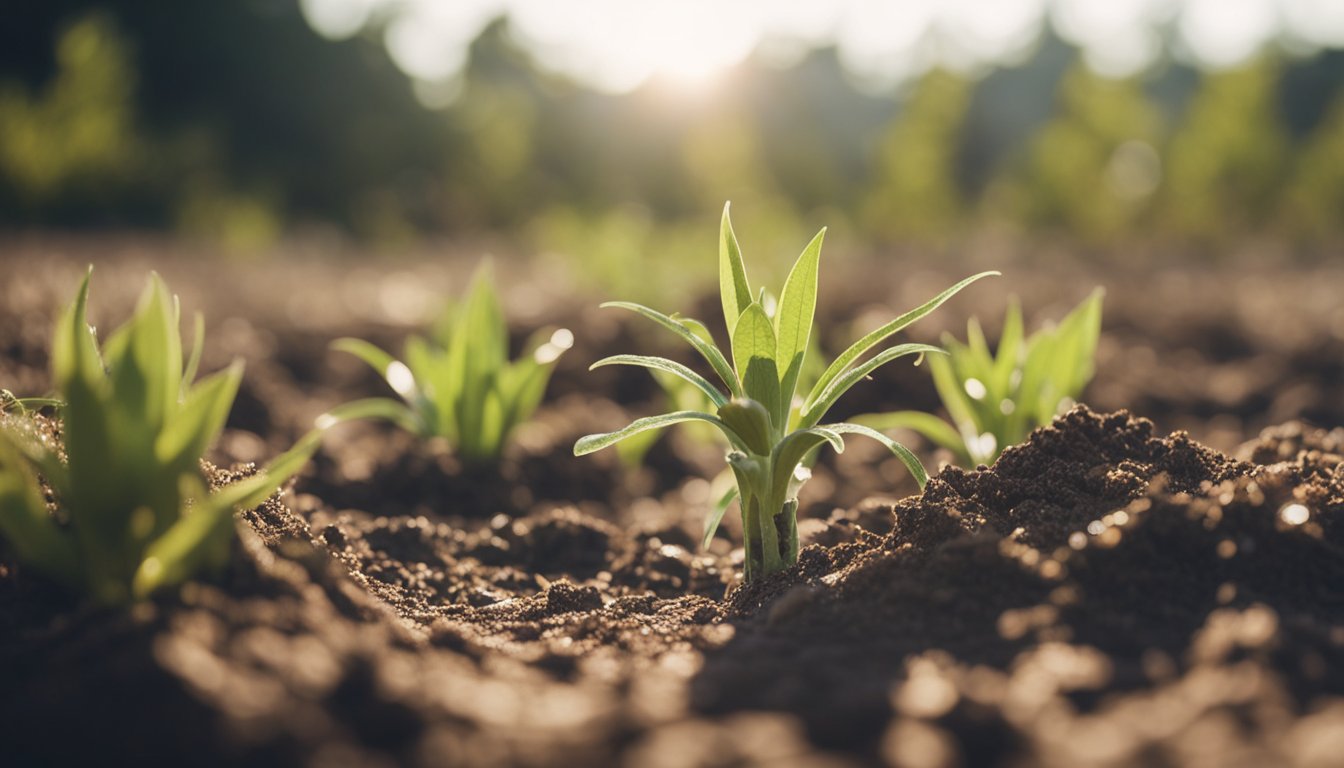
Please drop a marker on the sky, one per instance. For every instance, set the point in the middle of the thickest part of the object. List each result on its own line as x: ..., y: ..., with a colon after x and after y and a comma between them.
x: 617, y: 45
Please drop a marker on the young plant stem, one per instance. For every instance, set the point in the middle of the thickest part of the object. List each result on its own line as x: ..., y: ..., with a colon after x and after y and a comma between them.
x: 770, y: 535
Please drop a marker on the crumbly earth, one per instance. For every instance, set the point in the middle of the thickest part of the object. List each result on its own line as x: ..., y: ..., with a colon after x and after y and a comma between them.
x: 1101, y: 596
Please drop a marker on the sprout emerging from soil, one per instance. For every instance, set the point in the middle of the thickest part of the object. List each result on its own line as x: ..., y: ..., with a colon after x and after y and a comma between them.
x: 122, y: 506
x: 458, y: 384
x: 996, y: 400
x: 771, y: 431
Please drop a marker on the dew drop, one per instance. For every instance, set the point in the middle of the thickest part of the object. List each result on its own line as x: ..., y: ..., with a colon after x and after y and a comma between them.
x: 1294, y: 514
x: 400, y: 378
x: 976, y: 389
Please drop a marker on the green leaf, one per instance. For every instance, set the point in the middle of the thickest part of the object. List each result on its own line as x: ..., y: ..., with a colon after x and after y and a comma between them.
x: 953, y: 395
x: 931, y: 427
x: 754, y: 347
x: 25, y: 522
x: 375, y: 357
x: 1008, y: 357
x: 74, y: 350
x: 197, y: 540
x: 715, y: 517
x: 197, y: 346
x: 382, y: 408
x: 251, y: 491
x: 670, y: 366
x: 521, y: 385
x: 734, y: 290
x: 591, y: 443
x: 871, y: 340
x: 186, y: 436
x: 791, y: 452
x: 749, y: 419
x: 754, y: 337
x: 793, y: 321
x: 706, y: 349
x: 813, y: 413
x: 144, y: 367
x: 907, y: 458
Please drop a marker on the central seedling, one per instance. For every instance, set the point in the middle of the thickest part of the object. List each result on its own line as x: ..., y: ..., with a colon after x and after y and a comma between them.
x: 771, y: 429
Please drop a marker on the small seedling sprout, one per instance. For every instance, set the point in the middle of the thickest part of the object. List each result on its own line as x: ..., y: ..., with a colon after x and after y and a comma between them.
x: 994, y: 401
x: 771, y: 426
x: 459, y: 384
x: 133, y: 509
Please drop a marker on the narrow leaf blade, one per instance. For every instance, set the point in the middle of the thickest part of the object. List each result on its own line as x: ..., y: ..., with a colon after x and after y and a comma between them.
x: 715, y: 517
x: 907, y: 458
x: 871, y: 340
x: 734, y: 290
x: 592, y: 443
x: 797, y: 308
x: 707, y: 350
x: 841, y: 385
x: 670, y: 366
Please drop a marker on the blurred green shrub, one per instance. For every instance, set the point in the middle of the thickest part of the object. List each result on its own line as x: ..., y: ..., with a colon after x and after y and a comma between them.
x: 915, y: 191
x: 77, y: 139
x: 1092, y: 169
x: 458, y: 383
x: 1227, y: 160
x: 995, y: 400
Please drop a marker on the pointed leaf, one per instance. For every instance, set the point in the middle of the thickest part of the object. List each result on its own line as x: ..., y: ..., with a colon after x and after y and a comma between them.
x: 816, y: 410
x: 706, y: 349
x: 670, y: 366
x: 591, y: 443
x: 734, y: 290
x: 863, y: 345
x: 754, y: 347
x: 375, y: 357
x: 907, y: 458
x: 186, y: 436
x: 931, y: 427
x: 1008, y: 356
x: 74, y: 349
x: 793, y: 321
x: 383, y: 408
x: 754, y: 337
x: 197, y: 346
x: 715, y: 517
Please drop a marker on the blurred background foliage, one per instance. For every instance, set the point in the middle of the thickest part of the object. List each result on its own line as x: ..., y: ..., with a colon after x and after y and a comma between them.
x: 238, y: 124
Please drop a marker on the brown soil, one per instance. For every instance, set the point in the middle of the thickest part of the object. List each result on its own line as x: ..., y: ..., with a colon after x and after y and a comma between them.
x: 1101, y: 596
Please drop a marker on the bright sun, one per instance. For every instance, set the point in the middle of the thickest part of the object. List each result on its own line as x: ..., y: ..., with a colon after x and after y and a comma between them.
x: 619, y: 44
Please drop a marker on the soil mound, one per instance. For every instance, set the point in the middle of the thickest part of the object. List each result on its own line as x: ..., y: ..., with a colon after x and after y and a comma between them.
x: 1100, y: 596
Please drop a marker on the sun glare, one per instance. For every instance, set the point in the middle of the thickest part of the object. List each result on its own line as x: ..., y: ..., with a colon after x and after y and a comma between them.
x: 617, y: 45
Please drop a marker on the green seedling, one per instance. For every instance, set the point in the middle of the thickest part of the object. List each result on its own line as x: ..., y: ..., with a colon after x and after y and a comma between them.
x: 130, y: 509
x: 996, y: 400
x: 681, y: 395
x: 459, y: 384
x: 771, y: 428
